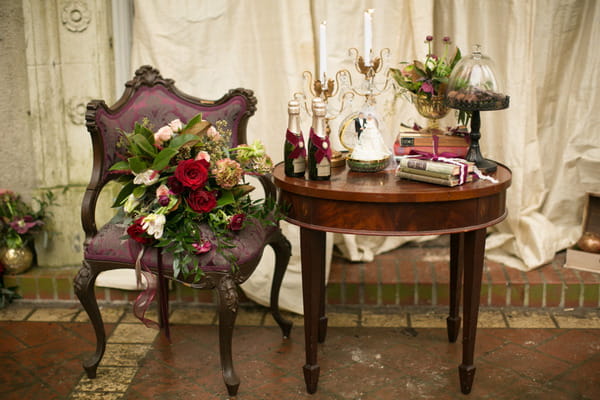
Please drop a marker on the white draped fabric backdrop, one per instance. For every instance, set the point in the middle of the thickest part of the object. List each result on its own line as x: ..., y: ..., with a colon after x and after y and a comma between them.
x: 545, y: 52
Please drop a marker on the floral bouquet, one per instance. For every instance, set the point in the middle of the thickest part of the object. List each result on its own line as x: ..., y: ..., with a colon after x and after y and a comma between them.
x: 19, y: 221
x: 184, y: 176
x: 431, y: 76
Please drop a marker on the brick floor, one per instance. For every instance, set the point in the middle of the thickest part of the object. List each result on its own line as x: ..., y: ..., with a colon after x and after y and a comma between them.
x: 370, y: 353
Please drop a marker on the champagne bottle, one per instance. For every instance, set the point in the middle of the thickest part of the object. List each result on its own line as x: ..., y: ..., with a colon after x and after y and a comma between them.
x: 319, y: 148
x: 294, y: 151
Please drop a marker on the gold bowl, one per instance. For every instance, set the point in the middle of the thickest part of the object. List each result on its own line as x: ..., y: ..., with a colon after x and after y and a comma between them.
x: 367, y: 165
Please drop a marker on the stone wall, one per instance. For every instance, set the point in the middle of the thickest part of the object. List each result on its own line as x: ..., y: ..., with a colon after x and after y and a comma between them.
x: 59, y: 57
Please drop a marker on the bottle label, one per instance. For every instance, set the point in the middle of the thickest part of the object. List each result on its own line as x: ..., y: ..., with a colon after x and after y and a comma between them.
x: 324, y: 168
x: 299, y: 165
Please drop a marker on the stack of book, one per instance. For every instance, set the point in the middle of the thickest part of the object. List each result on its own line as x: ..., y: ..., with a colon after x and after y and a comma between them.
x: 424, y: 141
x: 437, y: 172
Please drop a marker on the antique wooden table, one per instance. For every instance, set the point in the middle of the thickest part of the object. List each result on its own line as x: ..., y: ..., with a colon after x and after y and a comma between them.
x: 381, y: 204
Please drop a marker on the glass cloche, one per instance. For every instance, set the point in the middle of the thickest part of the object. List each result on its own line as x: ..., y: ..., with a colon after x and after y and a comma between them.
x: 473, y: 85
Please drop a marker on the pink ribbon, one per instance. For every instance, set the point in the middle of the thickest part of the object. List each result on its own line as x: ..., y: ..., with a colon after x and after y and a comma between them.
x: 322, y: 145
x: 297, y: 141
x: 448, y: 158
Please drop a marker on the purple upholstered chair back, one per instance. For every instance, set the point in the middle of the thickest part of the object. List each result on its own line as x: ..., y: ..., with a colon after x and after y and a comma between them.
x: 149, y: 95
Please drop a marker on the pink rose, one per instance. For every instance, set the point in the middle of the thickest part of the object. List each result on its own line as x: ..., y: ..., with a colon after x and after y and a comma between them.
x: 203, y: 155
x: 162, y: 135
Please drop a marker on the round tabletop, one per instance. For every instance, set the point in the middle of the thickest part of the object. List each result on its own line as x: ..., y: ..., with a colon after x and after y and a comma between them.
x: 379, y: 203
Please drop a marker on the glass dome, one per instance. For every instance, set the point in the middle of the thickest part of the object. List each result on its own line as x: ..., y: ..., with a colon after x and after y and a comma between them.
x: 473, y: 85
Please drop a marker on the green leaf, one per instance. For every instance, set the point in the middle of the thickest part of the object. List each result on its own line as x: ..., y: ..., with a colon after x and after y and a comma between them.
x: 180, y: 140
x: 126, y: 190
x: 119, y: 166
x: 139, y: 191
x: 137, y: 164
x: 163, y: 158
x: 226, y: 198
x: 144, y: 145
x: 144, y: 131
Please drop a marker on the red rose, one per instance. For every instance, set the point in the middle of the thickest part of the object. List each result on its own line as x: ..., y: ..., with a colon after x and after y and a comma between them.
x: 192, y: 173
x: 236, y: 222
x: 137, y: 233
x: 202, y: 201
x: 174, y: 185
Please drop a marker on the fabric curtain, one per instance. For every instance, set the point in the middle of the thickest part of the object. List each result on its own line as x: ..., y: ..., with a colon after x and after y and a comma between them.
x: 544, y: 55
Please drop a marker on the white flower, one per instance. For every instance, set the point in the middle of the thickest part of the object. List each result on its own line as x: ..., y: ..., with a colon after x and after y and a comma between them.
x: 176, y: 125
x: 153, y: 224
x: 147, y: 177
x: 131, y: 203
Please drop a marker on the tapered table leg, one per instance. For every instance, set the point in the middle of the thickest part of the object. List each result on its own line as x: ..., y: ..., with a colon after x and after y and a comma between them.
x: 474, y: 246
x: 312, y: 244
x: 457, y: 241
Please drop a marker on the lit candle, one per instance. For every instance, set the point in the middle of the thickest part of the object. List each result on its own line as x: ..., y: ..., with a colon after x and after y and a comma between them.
x: 368, y: 36
x: 323, y: 52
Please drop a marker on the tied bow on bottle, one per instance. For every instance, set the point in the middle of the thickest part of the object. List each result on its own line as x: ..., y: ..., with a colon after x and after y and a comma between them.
x: 322, y: 145
x: 297, y: 141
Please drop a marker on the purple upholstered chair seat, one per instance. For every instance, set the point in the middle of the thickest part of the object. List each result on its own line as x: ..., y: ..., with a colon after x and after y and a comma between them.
x: 107, y: 245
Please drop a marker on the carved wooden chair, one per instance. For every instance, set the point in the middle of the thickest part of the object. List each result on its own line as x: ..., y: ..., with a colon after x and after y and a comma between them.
x: 149, y: 95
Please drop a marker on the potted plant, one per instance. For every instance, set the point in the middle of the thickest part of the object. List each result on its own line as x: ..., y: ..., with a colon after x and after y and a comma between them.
x: 19, y: 222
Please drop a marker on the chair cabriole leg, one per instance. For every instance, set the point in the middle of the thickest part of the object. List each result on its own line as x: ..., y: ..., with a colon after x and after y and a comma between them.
x: 283, y: 250
x: 84, y: 289
x: 228, y: 305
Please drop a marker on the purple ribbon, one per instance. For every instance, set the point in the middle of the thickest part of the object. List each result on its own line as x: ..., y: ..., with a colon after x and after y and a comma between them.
x: 297, y: 141
x: 146, y: 296
x: 322, y: 145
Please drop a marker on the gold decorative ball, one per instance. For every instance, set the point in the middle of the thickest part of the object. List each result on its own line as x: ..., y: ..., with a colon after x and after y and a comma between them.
x: 589, y: 242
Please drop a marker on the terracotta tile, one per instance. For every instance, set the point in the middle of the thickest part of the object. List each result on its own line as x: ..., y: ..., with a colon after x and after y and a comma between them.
x: 527, y: 362
x: 583, y: 381
x: 574, y: 346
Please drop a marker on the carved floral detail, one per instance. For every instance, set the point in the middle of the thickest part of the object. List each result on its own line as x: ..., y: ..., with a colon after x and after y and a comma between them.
x: 76, y: 108
x: 76, y: 16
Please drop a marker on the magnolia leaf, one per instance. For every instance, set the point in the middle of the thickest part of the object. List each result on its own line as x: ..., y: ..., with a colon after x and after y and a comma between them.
x: 144, y: 144
x: 126, y: 190
x: 226, y: 198
x: 119, y: 166
x: 242, y: 190
x: 197, y: 128
x: 163, y: 158
x: 197, y: 118
x: 137, y: 164
x: 180, y: 140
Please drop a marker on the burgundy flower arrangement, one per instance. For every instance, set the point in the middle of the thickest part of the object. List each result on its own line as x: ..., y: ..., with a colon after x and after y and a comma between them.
x: 183, y: 176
